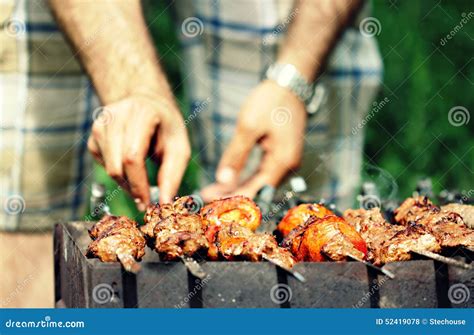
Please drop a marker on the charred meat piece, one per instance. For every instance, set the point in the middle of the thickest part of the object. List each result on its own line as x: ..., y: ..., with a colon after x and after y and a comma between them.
x: 466, y: 212
x: 299, y: 215
x: 233, y: 241
x: 373, y: 228
x: 327, y: 238
x: 117, y: 238
x: 400, y: 247
x: 109, y: 221
x: 155, y: 213
x: 180, y: 235
x: 386, y: 242
x: 238, y: 209
x: 447, y: 227
x: 174, y: 229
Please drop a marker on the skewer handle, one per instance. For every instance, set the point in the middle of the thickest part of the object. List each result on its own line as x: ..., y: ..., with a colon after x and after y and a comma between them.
x: 193, y: 267
x: 298, y: 276
x: 386, y: 272
x: 129, y: 263
x: 443, y: 259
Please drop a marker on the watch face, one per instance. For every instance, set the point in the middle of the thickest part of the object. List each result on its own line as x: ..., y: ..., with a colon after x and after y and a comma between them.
x: 286, y: 75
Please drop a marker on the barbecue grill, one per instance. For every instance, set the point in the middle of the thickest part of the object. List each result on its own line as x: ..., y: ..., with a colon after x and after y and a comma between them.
x: 420, y: 283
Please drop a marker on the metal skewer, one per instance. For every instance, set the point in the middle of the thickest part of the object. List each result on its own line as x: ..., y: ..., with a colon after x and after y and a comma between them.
x: 386, y: 272
x: 298, y: 276
x: 129, y: 263
x: 193, y: 267
x: 443, y: 259
x: 191, y: 264
x: 264, y: 200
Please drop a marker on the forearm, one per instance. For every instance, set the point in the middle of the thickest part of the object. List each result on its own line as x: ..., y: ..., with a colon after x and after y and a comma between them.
x: 313, y: 33
x: 112, y: 42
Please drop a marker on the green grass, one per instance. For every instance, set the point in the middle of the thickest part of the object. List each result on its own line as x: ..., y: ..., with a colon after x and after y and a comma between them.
x: 424, y: 80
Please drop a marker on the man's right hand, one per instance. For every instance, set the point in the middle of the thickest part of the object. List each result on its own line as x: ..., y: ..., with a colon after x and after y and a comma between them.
x: 121, y: 139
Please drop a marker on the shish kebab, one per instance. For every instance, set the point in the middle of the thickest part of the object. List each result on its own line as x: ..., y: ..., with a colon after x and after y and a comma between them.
x: 444, y: 223
x: 314, y: 233
x: 115, y: 237
x: 390, y: 243
x: 230, y: 224
x: 118, y: 238
x: 175, y: 232
x: 224, y: 229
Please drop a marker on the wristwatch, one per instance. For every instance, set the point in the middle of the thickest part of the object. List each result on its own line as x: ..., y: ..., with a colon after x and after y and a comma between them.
x: 288, y: 76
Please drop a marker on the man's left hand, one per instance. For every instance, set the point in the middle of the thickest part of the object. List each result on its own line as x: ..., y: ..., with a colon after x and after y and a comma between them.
x: 274, y: 118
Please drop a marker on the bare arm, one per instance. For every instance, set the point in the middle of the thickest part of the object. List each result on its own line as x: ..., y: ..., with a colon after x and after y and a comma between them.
x: 314, y: 32
x: 309, y: 40
x: 112, y: 42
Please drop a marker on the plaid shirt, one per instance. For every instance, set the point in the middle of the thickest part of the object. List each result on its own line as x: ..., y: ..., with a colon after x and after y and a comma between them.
x: 46, y: 102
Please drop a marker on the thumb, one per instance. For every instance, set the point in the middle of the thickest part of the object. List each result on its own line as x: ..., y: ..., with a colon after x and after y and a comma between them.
x: 235, y: 157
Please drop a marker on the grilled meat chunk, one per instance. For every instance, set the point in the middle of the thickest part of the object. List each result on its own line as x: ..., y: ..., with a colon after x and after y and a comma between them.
x: 108, y: 222
x: 230, y: 223
x: 327, y: 238
x: 448, y: 227
x: 235, y: 242
x: 117, y: 238
x: 466, y: 212
x: 174, y: 229
x: 386, y: 242
x: 402, y: 244
x: 299, y: 215
x: 373, y: 228
x: 238, y: 209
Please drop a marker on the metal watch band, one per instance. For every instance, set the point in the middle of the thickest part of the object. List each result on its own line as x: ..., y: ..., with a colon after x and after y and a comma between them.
x: 287, y: 76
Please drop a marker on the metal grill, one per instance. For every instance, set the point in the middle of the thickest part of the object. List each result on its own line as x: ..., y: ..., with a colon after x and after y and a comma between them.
x: 83, y: 282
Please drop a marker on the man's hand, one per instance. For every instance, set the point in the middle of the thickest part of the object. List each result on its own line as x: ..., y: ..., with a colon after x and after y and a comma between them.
x: 273, y: 117
x: 126, y: 131
x: 112, y: 42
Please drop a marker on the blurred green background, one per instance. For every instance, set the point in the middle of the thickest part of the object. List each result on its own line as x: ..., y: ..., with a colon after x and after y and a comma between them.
x: 411, y: 137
